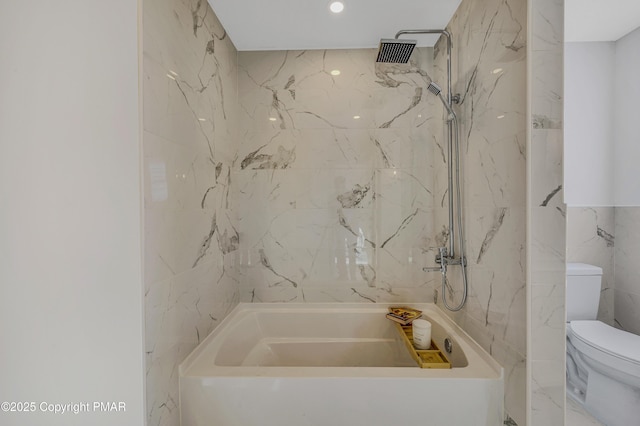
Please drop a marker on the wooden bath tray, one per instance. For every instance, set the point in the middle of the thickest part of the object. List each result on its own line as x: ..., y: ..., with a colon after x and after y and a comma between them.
x: 429, y: 358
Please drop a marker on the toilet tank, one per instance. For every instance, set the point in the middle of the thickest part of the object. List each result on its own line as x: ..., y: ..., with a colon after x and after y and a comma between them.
x: 584, y: 282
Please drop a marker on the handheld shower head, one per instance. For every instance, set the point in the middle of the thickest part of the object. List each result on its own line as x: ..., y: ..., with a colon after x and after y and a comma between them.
x: 436, y: 90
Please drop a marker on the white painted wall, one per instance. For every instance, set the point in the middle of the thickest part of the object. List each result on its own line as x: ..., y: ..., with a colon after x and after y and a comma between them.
x: 588, y: 116
x: 602, y: 144
x: 70, y: 212
x: 627, y: 90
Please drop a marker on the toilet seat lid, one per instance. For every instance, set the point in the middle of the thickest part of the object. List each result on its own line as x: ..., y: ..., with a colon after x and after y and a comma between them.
x: 611, y: 340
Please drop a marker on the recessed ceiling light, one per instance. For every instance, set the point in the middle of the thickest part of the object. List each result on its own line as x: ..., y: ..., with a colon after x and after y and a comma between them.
x: 336, y: 6
x: 335, y: 72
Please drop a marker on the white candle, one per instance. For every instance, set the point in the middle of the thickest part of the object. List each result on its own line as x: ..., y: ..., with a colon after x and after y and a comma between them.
x: 421, y: 334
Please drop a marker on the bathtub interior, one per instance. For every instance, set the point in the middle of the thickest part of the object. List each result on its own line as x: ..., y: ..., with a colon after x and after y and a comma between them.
x: 319, y: 338
x: 313, y: 340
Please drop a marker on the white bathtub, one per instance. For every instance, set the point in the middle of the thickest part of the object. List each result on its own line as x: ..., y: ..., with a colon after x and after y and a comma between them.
x: 334, y: 364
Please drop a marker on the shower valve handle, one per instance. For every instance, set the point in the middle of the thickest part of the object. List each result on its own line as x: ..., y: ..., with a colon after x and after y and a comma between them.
x: 441, y: 259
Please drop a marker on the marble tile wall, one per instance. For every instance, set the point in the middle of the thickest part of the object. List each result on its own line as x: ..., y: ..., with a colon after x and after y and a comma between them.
x: 591, y: 239
x: 189, y: 144
x: 627, y: 284
x: 546, y: 245
x: 489, y: 73
x: 333, y: 182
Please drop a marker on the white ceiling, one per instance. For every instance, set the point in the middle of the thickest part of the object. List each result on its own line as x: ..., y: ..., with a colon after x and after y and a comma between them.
x: 308, y: 24
x: 600, y: 20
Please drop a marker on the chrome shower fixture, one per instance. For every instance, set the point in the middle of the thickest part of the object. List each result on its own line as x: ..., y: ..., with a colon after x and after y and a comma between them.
x: 436, y: 90
x: 395, y: 51
x: 399, y: 51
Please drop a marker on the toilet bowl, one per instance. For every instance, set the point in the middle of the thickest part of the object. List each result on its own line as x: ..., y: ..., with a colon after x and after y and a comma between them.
x: 603, y: 363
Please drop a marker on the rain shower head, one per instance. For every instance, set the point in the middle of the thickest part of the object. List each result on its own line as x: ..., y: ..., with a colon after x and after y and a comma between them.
x: 395, y: 51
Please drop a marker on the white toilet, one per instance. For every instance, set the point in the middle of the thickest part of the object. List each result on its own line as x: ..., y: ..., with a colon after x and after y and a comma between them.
x: 603, y: 363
